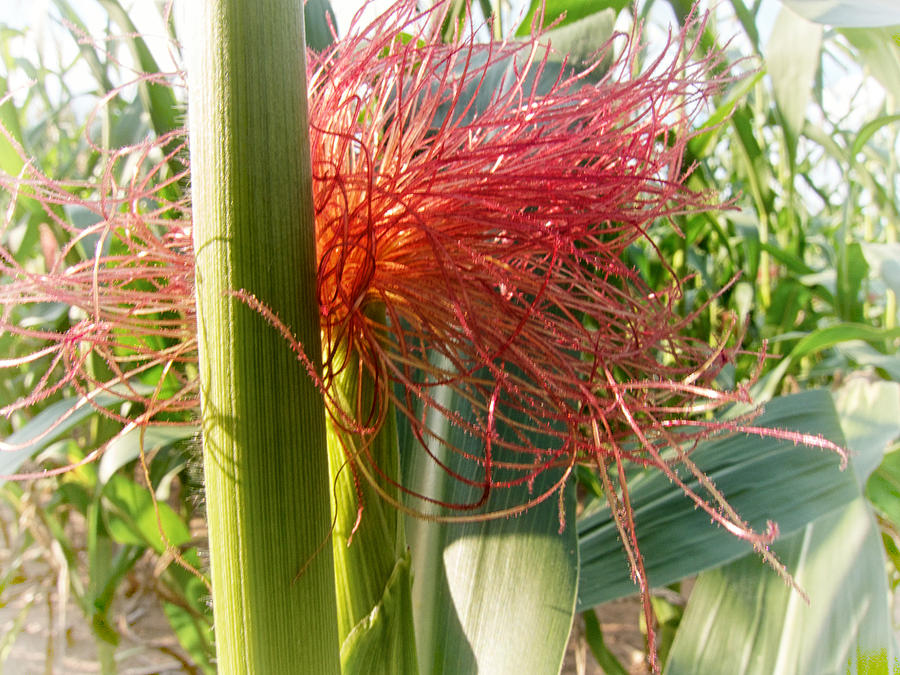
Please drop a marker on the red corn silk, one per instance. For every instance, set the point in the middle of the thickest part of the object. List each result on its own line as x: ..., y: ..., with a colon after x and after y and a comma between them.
x: 473, y: 203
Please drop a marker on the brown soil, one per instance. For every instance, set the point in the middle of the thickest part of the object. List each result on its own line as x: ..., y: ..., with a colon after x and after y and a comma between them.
x: 44, y: 632
x: 620, y: 622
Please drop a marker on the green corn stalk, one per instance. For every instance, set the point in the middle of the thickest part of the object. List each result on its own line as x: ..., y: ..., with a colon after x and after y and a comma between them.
x: 263, y: 420
x: 372, y: 563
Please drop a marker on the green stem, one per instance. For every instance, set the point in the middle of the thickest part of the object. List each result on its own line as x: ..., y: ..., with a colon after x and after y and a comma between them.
x: 372, y: 564
x: 264, y: 447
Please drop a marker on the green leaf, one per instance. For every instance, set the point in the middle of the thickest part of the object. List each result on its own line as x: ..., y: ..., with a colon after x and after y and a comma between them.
x: 376, y: 639
x: 10, y: 160
x: 743, y: 619
x: 868, y: 130
x: 78, y: 30
x: 132, y: 518
x: 792, y: 58
x: 852, y: 271
x: 863, y: 354
x: 101, y: 570
x: 817, y: 341
x: 593, y: 633
x: 158, y: 98
x: 880, y: 55
x: 73, y: 494
x: 479, y: 92
x: 844, y: 332
x: 713, y: 127
x: 491, y: 596
x: 371, y: 557
x: 316, y: 15
x: 794, y: 264
x: 757, y: 169
x: 128, y: 125
x: 127, y: 446
x: 106, y: 577
x: 883, y: 261
x: 194, y: 635
x: 581, y: 39
x: 847, y: 13
x: 762, y: 478
x: 869, y: 416
x: 45, y: 427
x: 883, y: 488
x: 574, y: 10
x: 14, y: 627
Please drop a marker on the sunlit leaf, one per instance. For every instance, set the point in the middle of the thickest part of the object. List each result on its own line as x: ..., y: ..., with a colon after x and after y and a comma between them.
x: 869, y: 129
x: 132, y: 518
x: 581, y: 39
x: 880, y: 53
x: 817, y: 341
x: 593, y: 634
x: 792, y: 58
x: 713, y: 127
x: 883, y: 487
x: 10, y: 160
x: 128, y: 446
x: 870, y: 418
x: 158, y: 99
x: 763, y: 479
x: 884, y: 263
x: 476, y: 578
x: 848, y: 13
x: 742, y: 619
x: 864, y: 354
x: 377, y: 639
x: 45, y: 427
x: 195, y: 636
x: 570, y: 11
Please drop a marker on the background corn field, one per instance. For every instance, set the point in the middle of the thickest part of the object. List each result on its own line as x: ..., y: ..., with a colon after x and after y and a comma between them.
x: 806, y: 144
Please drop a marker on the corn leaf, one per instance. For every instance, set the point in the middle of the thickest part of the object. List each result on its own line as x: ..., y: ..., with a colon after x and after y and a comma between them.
x: 316, y: 17
x: 848, y: 13
x: 880, y: 54
x: 566, y: 12
x: 45, y: 427
x: 742, y: 619
x: 763, y: 479
x: 132, y: 517
x: 128, y: 446
x: 472, y: 580
x: 792, y: 59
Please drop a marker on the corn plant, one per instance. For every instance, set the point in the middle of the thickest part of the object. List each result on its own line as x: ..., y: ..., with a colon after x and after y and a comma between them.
x: 472, y: 333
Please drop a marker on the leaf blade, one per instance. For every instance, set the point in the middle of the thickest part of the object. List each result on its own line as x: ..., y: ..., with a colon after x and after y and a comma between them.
x: 473, y: 580
x: 763, y: 479
x: 744, y: 609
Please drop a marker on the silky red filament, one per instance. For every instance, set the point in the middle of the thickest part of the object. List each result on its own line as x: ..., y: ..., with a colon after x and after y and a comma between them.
x: 473, y: 204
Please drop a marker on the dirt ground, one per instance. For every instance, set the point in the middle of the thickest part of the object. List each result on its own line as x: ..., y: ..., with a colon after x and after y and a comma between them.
x: 39, y: 639
x: 620, y: 623
x: 41, y: 648
x: 43, y: 636
x: 48, y: 642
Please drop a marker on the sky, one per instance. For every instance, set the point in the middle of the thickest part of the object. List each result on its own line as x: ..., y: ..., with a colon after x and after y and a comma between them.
x: 52, y: 40
x: 18, y: 14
